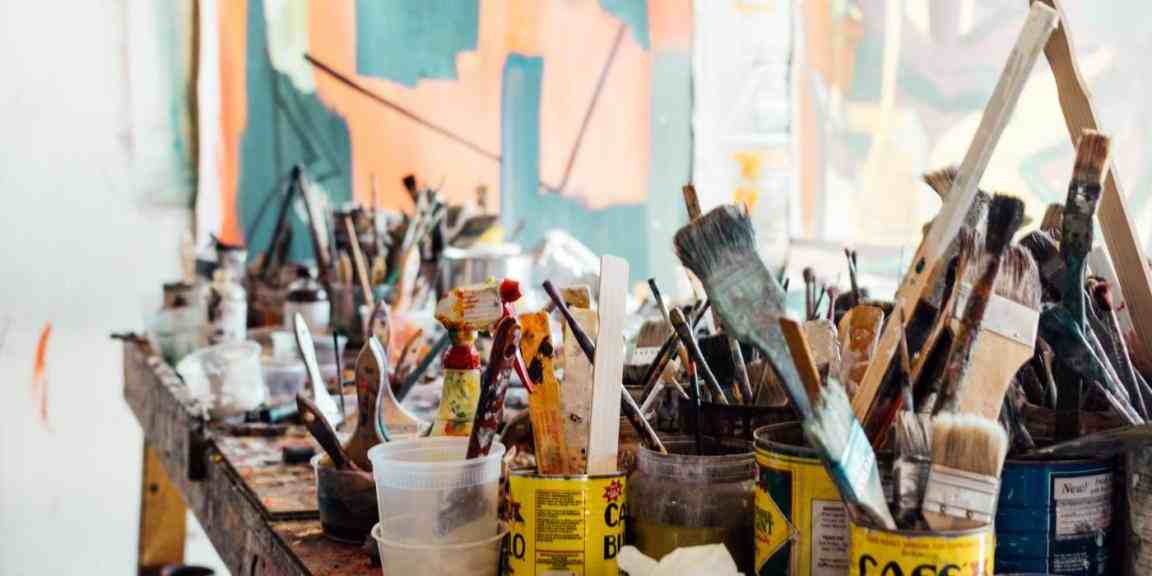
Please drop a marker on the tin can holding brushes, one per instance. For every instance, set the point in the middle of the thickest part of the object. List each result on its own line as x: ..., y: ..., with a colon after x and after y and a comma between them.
x: 565, y: 524
x: 1056, y: 516
x: 881, y: 552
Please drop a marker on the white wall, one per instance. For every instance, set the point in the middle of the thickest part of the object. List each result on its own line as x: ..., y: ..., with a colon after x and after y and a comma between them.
x: 79, y: 247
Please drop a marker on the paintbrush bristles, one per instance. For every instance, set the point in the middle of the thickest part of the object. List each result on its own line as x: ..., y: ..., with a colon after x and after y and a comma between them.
x: 941, y: 180
x: 969, y: 442
x: 1018, y: 280
x: 1005, y: 215
x: 717, y: 242
x: 1091, y: 157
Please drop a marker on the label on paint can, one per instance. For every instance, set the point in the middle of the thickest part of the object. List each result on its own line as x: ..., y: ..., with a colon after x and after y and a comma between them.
x: 801, y: 523
x: 565, y: 525
x: 1083, y: 504
x: 883, y: 553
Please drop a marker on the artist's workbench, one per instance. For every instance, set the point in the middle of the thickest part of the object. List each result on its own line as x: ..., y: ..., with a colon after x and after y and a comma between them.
x: 259, y: 513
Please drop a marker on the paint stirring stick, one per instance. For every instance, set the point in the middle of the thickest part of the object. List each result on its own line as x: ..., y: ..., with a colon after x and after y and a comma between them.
x: 630, y: 408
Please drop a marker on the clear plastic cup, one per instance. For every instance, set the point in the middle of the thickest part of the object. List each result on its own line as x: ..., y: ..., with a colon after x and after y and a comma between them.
x: 479, y: 557
x: 428, y: 493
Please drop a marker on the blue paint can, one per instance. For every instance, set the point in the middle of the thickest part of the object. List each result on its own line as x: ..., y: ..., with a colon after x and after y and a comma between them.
x: 1056, y: 517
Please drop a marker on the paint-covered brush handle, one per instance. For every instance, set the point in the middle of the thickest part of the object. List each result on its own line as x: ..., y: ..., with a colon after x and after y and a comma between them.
x: 323, y: 432
x: 693, y: 348
x: 490, y: 407
x: 581, y: 336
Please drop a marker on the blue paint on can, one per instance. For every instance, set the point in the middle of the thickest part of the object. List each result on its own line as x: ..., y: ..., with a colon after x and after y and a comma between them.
x: 1056, y: 517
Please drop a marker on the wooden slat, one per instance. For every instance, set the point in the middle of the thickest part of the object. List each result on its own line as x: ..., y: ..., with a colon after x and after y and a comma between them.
x: 928, y: 260
x: 544, y: 402
x: 1112, y: 212
x: 576, y: 392
x: 162, y: 517
x: 608, y: 370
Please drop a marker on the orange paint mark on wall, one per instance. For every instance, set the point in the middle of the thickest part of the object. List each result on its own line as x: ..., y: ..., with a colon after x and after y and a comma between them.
x: 574, y: 39
x: 233, y: 16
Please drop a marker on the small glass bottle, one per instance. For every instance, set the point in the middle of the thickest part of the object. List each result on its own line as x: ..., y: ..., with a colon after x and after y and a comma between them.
x: 309, y: 299
x: 227, y: 308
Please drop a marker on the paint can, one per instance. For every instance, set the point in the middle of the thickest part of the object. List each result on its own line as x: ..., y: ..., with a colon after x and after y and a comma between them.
x: 801, y: 524
x: 879, y: 552
x: 565, y: 524
x: 1138, y: 493
x: 1055, y: 516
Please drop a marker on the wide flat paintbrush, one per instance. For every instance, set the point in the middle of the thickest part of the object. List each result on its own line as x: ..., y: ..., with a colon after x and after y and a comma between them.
x: 1007, y: 336
x: 720, y: 248
x: 967, y: 449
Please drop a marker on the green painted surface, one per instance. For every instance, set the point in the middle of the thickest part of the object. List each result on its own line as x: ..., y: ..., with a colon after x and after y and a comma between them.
x: 285, y: 127
x: 406, y: 41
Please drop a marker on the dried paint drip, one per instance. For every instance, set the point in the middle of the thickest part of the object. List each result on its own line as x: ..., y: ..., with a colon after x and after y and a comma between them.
x: 39, y: 374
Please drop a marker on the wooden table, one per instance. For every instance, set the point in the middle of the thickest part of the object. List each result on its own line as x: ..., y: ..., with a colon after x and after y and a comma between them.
x: 259, y: 513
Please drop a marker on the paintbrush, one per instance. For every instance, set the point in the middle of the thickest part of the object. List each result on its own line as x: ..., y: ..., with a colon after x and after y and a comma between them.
x: 1046, y: 252
x: 742, y: 388
x: 679, y: 324
x: 912, y: 437
x: 371, y: 369
x: 967, y: 449
x: 360, y: 265
x: 1007, y: 334
x: 493, y: 388
x: 629, y: 406
x: 316, y: 423
x: 688, y: 340
x: 307, y: 348
x: 1102, y: 298
x: 720, y: 248
x: 1103, y: 444
x: 665, y: 354
x: 1004, y: 217
x: 964, y: 482
x: 1053, y: 220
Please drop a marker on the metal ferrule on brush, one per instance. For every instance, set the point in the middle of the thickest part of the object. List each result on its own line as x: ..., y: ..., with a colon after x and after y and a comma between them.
x: 961, y: 494
x: 910, y: 474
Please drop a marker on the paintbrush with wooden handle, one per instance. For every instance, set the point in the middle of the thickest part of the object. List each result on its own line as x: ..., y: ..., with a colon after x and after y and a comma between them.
x: 874, y: 405
x: 687, y: 339
x: 720, y: 248
x: 493, y: 388
x: 316, y: 423
x: 968, y: 450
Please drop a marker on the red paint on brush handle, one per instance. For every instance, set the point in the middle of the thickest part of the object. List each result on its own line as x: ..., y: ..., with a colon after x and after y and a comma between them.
x: 462, y: 357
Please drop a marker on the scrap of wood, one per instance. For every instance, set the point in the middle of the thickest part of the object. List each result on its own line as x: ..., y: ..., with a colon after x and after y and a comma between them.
x: 608, y: 370
x: 162, y: 514
x: 576, y: 393
x: 1115, y: 223
x: 928, y: 261
x: 544, y: 407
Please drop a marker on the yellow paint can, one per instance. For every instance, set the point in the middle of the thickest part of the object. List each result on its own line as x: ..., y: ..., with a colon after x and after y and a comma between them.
x: 565, y: 525
x: 877, y: 552
x: 801, y: 523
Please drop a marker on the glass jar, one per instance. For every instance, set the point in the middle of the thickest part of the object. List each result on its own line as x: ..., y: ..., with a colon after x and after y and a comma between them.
x: 682, y: 499
x: 309, y: 299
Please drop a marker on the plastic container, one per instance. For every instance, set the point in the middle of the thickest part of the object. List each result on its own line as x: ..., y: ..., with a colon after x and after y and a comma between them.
x: 441, y: 497
x: 228, y: 376
x: 283, y: 379
x: 346, y: 500
x: 480, y: 557
x: 683, y: 499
